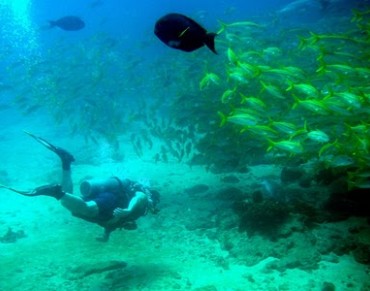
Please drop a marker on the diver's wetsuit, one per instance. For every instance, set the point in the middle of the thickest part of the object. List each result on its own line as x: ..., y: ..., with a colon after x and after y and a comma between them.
x: 107, y: 202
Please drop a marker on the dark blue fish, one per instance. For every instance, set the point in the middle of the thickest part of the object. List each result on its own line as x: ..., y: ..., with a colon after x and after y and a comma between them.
x: 180, y: 32
x: 69, y: 23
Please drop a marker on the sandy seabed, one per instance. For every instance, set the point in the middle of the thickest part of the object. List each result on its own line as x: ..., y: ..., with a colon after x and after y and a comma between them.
x: 177, y: 249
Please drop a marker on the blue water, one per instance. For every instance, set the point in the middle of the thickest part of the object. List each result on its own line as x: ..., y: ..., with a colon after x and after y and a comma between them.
x: 120, y: 100
x: 131, y: 21
x: 131, y: 24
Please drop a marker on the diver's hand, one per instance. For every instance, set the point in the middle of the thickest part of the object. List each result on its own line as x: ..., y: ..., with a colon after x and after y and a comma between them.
x: 121, y: 212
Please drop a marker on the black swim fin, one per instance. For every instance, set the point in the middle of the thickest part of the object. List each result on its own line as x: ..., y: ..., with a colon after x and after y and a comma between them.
x: 25, y: 193
x: 46, y: 190
x: 65, y: 156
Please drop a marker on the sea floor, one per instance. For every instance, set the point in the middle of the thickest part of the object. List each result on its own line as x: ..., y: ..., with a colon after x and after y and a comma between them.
x: 184, y: 247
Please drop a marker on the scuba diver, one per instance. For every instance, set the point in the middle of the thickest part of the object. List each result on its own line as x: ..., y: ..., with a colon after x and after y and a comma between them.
x: 111, y: 203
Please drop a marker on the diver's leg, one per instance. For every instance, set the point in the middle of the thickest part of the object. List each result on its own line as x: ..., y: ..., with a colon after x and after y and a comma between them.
x: 66, y: 159
x: 77, y: 206
x: 67, y: 184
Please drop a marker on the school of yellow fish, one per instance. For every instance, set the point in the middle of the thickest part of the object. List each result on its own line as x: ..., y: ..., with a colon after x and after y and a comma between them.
x: 310, y: 99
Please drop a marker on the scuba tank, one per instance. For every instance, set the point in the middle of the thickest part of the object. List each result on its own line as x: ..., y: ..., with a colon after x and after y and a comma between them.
x: 91, y: 187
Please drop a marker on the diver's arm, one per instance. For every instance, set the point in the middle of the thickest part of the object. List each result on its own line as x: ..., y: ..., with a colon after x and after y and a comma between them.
x: 139, y: 200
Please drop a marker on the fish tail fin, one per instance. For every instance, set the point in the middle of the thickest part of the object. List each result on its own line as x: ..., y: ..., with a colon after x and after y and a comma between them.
x: 325, y: 147
x: 210, y: 41
x: 271, y: 144
x: 323, y: 68
x: 264, y: 86
x: 303, y: 43
x: 52, y: 23
x: 291, y: 86
x: 296, y: 101
x: 223, y: 118
x: 244, y: 98
x: 223, y: 27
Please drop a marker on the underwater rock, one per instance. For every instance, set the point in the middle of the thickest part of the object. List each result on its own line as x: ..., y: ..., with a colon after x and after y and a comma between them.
x: 265, y: 217
x: 230, y: 179
x: 272, y: 189
x: 305, y: 181
x: 196, y: 189
x: 291, y: 174
x: 202, y: 223
x: 226, y: 219
x: 206, y: 288
x: 300, y: 258
x: 352, y: 203
x: 362, y: 254
x: 231, y: 194
x: 198, y: 159
x: 336, y: 242
x: 288, y: 229
x: 227, y: 165
x: 296, y: 251
x: 309, y: 215
x: 339, y: 186
x: 12, y: 236
x: 327, y: 176
x: 356, y: 229
x: 257, y: 196
x: 327, y: 286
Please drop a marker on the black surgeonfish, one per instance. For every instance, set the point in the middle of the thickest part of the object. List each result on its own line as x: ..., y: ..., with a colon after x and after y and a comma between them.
x: 69, y: 23
x: 180, y: 32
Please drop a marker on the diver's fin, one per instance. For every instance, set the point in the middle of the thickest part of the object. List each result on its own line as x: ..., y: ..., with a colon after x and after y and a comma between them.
x: 47, y: 190
x: 44, y: 142
x: 25, y: 193
x: 65, y: 156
